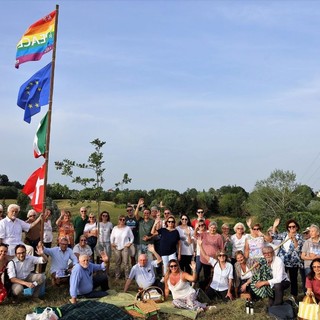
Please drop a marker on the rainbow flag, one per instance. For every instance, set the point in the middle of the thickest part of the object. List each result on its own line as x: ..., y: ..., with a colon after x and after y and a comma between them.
x: 37, y: 40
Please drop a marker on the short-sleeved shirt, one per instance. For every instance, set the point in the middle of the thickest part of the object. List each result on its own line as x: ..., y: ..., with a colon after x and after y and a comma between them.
x: 314, y: 285
x: 21, y: 269
x: 221, y: 277
x: 144, y: 276
x: 145, y: 230
x: 81, y: 251
x: 310, y: 247
x: 79, y: 224
x: 133, y: 224
x: 168, y: 241
x: 11, y: 232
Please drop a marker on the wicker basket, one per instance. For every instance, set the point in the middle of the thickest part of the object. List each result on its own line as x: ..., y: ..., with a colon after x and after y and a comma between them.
x: 151, y: 293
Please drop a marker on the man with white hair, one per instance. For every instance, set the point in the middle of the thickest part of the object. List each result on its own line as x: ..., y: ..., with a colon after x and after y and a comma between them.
x: 33, y: 235
x: 11, y: 228
x: 85, y: 278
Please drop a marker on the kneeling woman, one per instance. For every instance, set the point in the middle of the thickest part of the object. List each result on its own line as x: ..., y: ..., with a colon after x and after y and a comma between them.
x: 178, y: 282
x: 221, y: 284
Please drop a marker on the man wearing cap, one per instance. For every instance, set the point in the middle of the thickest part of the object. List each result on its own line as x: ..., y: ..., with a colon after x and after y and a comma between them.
x: 200, y: 214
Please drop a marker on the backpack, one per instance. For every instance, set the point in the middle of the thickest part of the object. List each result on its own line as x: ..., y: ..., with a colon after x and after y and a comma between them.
x: 282, y: 312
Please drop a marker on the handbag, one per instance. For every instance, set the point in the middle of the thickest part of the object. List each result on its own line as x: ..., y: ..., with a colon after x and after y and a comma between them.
x: 47, y: 314
x: 151, y: 293
x: 308, y: 308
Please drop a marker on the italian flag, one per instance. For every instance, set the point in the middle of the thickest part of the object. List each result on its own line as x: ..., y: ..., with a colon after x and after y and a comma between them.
x: 34, y: 188
x: 39, y: 142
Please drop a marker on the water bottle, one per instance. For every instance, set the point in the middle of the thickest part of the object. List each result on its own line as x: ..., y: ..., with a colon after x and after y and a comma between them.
x: 247, y: 307
x: 251, y: 307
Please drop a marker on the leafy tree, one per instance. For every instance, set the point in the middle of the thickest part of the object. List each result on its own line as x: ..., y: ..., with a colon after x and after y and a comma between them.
x: 58, y: 191
x: 276, y: 195
x: 125, y: 180
x: 4, y: 180
x: 94, y: 163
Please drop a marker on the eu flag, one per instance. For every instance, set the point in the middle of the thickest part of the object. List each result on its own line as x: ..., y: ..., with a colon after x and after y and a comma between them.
x: 34, y: 93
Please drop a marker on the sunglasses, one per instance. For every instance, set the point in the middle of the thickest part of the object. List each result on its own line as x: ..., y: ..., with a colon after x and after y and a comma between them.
x: 91, y: 217
x: 174, y: 266
x: 166, y: 212
x: 171, y: 221
x: 255, y: 229
x: 129, y: 210
x: 184, y: 219
x: 199, y: 211
x: 200, y: 225
x: 291, y: 227
x: 122, y: 219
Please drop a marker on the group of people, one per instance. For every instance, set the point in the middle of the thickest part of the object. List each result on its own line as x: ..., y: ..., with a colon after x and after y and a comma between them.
x: 167, y: 252
x: 71, y: 262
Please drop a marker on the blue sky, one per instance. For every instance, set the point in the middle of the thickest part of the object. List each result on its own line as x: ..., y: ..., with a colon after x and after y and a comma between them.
x: 187, y: 94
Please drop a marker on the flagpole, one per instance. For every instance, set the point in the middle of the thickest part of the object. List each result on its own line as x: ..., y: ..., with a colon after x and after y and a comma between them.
x: 49, y: 119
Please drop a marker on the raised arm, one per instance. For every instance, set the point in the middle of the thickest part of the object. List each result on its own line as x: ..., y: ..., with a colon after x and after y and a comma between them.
x: 136, y: 212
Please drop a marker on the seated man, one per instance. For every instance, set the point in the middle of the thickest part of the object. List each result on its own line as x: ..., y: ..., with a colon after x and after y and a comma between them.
x: 143, y: 271
x: 83, y: 280
x: 278, y: 280
x: 20, y: 271
x: 82, y: 248
x: 60, y: 268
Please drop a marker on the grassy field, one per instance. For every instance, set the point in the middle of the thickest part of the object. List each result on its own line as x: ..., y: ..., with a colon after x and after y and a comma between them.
x: 233, y: 310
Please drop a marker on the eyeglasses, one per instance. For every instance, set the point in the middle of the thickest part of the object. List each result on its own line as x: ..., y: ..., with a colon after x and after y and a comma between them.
x: 315, y: 267
x: 85, y: 240
x: 201, y: 225
x: 255, y: 229
x: 268, y: 252
x: 22, y: 252
x: 91, y: 217
x: 292, y: 227
x: 239, y: 228
x: 33, y: 215
x: 171, y: 221
x: 199, y: 211
x: 221, y: 255
x: 122, y: 219
x: 63, y: 244
x: 184, y: 219
x: 166, y: 212
x: 128, y: 210
x: 173, y: 266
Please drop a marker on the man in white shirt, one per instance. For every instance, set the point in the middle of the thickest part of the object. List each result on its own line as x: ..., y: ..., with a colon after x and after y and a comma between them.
x: 11, y: 228
x: 280, y: 281
x: 143, y: 271
x: 20, y: 271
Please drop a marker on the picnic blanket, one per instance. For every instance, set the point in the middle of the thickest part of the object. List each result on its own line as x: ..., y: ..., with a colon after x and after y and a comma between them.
x: 93, y: 310
x: 122, y: 299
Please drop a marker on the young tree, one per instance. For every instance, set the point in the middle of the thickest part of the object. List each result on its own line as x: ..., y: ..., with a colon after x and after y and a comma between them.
x: 93, y: 186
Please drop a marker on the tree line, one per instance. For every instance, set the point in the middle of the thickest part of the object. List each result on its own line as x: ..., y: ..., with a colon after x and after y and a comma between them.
x: 277, y: 196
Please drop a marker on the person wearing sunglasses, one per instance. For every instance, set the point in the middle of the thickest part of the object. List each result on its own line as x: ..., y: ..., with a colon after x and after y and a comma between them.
x: 187, y: 242
x: 121, y: 239
x: 222, y: 279
x: 65, y: 227
x: 290, y: 250
x: 133, y: 223
x: 105, y: 228
x: 200, y: 216
x: 170, y: 244
x: 82, y: 248
x: 178, y: 282
x: 200, y: 228
x: 255, y: 242
x: 313, y: 279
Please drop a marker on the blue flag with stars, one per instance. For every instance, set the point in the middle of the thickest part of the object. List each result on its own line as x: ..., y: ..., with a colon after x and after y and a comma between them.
x: 34, y: 93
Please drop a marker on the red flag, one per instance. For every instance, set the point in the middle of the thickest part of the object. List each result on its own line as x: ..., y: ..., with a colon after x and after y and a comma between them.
x: 34, y: 188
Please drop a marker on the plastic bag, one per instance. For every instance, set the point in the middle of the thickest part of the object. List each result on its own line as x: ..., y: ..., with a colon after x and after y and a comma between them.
x: 48, y: 314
